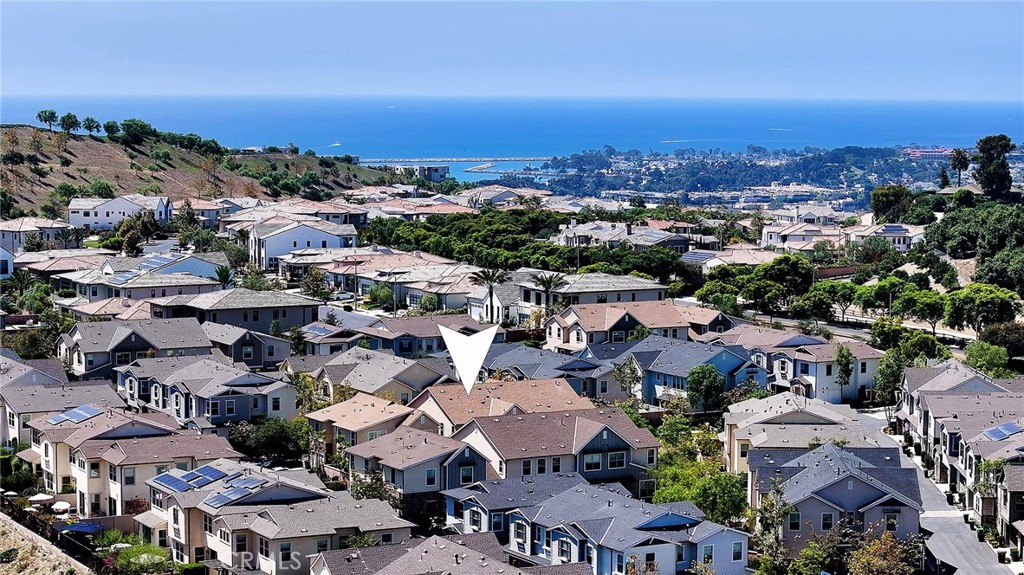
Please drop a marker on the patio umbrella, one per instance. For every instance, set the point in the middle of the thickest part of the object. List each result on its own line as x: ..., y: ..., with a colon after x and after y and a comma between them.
x: 10, y: 494
x: 31, y: 509
x: 60, y: 506
x: 40, y: 497
x: 120, y: 546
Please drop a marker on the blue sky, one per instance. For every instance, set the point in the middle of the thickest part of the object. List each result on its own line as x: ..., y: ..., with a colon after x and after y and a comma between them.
x: 808, y: 50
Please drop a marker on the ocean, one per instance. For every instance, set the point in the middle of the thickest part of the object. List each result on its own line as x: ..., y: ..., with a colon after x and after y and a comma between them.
x: 388, y: 127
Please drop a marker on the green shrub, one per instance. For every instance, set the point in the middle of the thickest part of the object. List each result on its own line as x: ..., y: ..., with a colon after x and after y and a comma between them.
x: 192, y: 569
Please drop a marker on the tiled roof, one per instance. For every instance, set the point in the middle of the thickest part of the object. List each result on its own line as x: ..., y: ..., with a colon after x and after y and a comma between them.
x: 161, y: 449
x: 499, y: 397
x: 360, y: 412
x: 406, y: 447
x: 558, y: 433
x: 163, y: 334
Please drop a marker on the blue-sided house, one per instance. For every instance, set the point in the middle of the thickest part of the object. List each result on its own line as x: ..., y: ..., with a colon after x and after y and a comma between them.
x: 616, y: 534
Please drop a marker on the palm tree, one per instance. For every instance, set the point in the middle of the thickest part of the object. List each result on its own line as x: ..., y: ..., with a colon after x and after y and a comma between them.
x: 66, y: 237
x: 242, y: 237
x: 226, y: 276
x: 548, y: 283
x: 959, y: 160
x: 490, y: 278
x: 21, y: 280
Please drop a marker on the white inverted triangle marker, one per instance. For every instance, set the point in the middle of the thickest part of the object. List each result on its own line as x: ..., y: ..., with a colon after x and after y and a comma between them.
x: 468, y: 352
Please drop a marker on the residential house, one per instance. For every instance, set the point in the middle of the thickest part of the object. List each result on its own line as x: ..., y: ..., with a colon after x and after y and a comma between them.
x: 13, y: 232
x: 276, y: 237
x: 29, y: 399
x: 462, y: 554
x: 589, y: 288
x: 93, y: 349
x: 663, y: 365
x: 580, y: 325
x: 248, y: 519
x: 950, y: 377
x: 203, y: 264
x: 417, y: 465
x: 93, y: 285
x: 413, y: 335
x: 751, y: 423
x: 863, y: 489
x: 57, y: 438
x: 377, y: 373
x: 207, y: 211
x: 106, y: 214
x: 481, y: 507
x: 1010, y: 495
x: 707, y: 260
x: 613, y: 235
x: 241, y: 307
x: 762, y: 343
x: 588, y: 376
x: 808, y: 214
x: 801, y: 237
x: 812, y: 370
x: 900, y: 236
x: 206, y: 395
x: 232, y: 205
x: 354, y: 421
x: 364, y: 268
x: 325, y: 339
x: 602, y: 445
x: 258, y: 351
x: 447, y: 408
x: 616, y: 534
x: 6, y: 262
x: 503, y: 305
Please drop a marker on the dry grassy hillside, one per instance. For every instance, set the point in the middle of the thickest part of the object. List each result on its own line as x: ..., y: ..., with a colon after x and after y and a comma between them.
x: 172, y: 172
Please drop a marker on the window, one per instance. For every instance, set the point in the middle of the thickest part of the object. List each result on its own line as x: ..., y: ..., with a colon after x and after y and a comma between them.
x: 247, y: 352
x: 431, y: 477
x: 828, y: 369
x: 863, y: 367
x: 255, y: 315
x: 157, y: 499
x: 620, y: 563
x: 542, y: 466
x: 604, y: 386
x: 285, y: 550
x: 122, y: 358
x: 475, y: 519
x: 618, y: 337
x: 592, y: 462
x: 617, y: 460
x: 744, y: 449
x: 264, y: 548
x: 737, y: 551
x: 385, y: 539
x: 794, y: 521
x: 207, y: 523
x: 707, y: 553
x: 11, y: 422
x: 804, y: 368
x: 240, y: 543
x: 270, y: 351
x: 495, y: 521
x: 161, y: 469
x: 113, y: 472
x: 556, y: 464
x: 214, y: 407
x: 652, y: 456
x: 128, y: 474
x: 827, y: 521
x: 321, y: 545
x: 519, y: 531
x: 275, y: 404
x: 891, y: 521
x: 94, y: 469
x: 375, y: 434
x: 465, y: 475
x: 174, y: 516
x: 224, y: 535
x: 527, y: 469
x: 230, y: 406
x: 564, y: 550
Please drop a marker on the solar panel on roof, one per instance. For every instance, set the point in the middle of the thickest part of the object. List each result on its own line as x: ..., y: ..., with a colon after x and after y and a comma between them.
x: 200, y: 481
x: 318, y: 330
x: 171, y: 482
x: 1010, y: 428
x: 249, y: 482
x: 236, y: 493
x: 59, y: 418
x: 81, y: 413
x: 210, y: 472
x: 231, y: 476
x: 122, y: 278
x: 190, y: 476
x: 996, y: 434
x: 217, y: 501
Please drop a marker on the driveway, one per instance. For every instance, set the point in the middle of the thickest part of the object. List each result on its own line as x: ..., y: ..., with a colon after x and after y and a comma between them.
x: 952, y: 542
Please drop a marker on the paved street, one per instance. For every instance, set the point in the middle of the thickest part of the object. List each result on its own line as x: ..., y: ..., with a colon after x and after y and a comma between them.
x: 952, y: 541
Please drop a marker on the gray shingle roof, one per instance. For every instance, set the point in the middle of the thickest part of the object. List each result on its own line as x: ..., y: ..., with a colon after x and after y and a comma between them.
x: 503, y: 494
x: 163, y: 334
x: 237, y: 298
x: 406, y: 447
x: 51, y: 398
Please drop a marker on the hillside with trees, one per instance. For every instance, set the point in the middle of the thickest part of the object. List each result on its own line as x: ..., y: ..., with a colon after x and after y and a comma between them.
x: 41, y: 168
